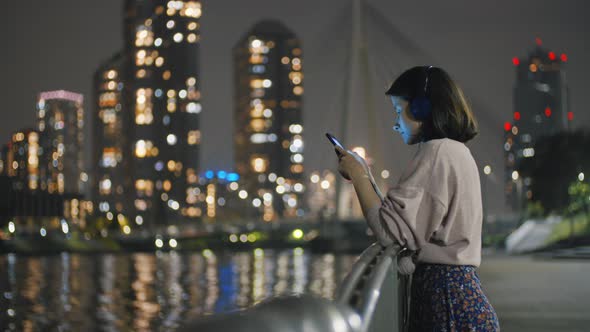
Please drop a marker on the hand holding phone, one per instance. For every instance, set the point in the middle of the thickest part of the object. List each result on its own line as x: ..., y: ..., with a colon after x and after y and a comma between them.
x: 337, y: 143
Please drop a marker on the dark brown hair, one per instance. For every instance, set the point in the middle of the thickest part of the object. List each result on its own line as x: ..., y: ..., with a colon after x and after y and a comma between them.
x: 450, y: 116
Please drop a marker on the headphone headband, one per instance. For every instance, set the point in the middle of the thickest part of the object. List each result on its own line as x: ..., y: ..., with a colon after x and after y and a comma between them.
x: 420, y: 105
x: 427, y: 78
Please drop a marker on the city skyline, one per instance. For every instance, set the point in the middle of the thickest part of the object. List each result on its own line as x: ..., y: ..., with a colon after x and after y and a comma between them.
x: 498, y: 70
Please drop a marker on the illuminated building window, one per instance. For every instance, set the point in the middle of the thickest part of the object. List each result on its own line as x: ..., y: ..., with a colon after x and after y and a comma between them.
x: 193, y: 212
x: 298, y: 90
x: 104, y: 186
x: 141, y: 204
x: 111, y: 74
x: 194, y: 137
x: 258, y: 69
x: 143, y: 107
x: 258, y: 59
x: 192, y: 195
x: 263, y: 138
x: 259, y: 164
x: 167, y: 185
x: 298, y: 168
x: 145, y: 149
x: 107, y: 99
x: 191, y: 9
x: 171, y: 105
x: 159, y: 61
x: 258, y: 125
x: 144, y: 36
x: 108, y: 116
x: 257, y: 111
x: 174, y: 165
x: 296, y: 144
x: 192, y: 26
x: 296, y: 77
x: 191, y: 81
x: 140, y: 73
x: 260, y: 83
x: 297, y: 158
x: 110, y: 157
x: 178, y: 37
x: 285, y: 60
x: 191, y: 175
x: 144, y: 187
x: 166, y: 75
x: 295, y: 129
x: 192, y: 38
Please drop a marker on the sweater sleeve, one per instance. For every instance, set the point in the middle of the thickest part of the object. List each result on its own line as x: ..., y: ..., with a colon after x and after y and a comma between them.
x: 410, y: 213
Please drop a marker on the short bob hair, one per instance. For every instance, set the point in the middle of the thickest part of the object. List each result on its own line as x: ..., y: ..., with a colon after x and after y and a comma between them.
x: 451, y: 117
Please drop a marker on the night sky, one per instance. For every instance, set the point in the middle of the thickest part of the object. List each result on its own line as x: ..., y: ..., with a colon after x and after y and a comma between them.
x: 58, y: 44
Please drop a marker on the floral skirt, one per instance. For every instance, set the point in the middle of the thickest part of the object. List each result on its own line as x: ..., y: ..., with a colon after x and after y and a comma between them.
x: 449, y: 298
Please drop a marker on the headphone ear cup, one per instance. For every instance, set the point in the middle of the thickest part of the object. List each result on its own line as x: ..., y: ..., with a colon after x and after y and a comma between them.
x: 420, y: 108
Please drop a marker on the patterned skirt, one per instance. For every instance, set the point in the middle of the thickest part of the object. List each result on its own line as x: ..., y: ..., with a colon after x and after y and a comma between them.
x: 449, y: 298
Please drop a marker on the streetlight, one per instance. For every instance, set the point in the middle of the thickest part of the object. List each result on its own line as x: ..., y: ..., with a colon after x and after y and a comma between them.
x: 581, y: 176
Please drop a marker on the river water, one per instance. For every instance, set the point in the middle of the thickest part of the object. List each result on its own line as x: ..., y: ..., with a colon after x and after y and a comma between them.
x: 153, y: 291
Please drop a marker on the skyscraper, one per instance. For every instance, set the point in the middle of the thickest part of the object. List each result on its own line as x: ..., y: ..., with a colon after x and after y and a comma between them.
x: 111, y: 160
x: 158, y: 70
x: 267, y: 119
x: 540, y: 108
x: 22, y: 158
x: 61, y: 131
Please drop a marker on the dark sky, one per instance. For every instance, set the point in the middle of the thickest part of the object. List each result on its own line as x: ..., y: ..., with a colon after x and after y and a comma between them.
x: 58, y: 44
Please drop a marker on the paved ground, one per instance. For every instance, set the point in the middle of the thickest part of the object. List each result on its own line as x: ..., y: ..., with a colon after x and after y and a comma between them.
x: 538, y: 294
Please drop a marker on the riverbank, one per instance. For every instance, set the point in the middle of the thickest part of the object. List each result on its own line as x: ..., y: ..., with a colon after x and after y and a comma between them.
x: 75, y: 243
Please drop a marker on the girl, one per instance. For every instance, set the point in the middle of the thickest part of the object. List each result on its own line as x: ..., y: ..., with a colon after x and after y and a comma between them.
x: 435, y: 210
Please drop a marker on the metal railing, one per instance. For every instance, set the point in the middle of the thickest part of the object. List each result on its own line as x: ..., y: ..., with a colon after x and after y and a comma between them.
x: 372, y: 297
x: 376, y: 290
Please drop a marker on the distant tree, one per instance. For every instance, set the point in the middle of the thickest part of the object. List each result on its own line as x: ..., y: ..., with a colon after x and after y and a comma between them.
x: 579, y: 192
x: 558, y: 160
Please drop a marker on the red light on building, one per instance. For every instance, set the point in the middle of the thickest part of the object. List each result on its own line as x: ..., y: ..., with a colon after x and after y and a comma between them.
x: 570, y: 116
x: 548, y: 112
x: 515, y: 61
x: 517, y: 116
x: 507, y: 126
x: 563, y: 57
x: 552, y: 56
x: 538, y: 41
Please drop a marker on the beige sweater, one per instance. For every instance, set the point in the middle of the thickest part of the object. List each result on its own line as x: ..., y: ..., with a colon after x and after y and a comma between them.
x: 436, y: 208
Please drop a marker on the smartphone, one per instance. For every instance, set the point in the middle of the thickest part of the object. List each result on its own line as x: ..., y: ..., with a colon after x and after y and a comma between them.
x: 335, y: 141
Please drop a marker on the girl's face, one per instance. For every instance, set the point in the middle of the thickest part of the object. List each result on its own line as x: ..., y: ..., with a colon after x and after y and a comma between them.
x: 405, y: 124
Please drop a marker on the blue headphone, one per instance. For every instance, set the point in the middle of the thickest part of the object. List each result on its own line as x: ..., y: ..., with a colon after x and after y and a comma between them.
x: 420, y: 105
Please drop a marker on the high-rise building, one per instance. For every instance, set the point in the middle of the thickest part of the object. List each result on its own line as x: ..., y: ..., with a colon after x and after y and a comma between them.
x: 22, y: 193
x: 22, y: 157
x: 267, y: 119
x: 541, y: 108
x: 112, y: 184
x: 61, y: 131
x: 158, y: 70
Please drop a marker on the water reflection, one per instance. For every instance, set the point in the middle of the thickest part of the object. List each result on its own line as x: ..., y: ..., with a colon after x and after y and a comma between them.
x: 153, y: 291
